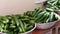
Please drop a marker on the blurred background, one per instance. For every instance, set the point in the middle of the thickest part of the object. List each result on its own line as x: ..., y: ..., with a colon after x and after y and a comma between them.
x: 17, y: 6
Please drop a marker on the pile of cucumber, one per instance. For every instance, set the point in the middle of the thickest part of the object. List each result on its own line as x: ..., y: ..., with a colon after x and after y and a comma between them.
x: 47, y: 14
x: 52, y: 4
x: 21, y: 23
x: 43, y: 15
x: 15, y: 24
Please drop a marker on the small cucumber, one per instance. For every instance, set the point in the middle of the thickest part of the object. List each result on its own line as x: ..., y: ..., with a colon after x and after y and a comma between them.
x: 20, y: 30
x: 30, y: 27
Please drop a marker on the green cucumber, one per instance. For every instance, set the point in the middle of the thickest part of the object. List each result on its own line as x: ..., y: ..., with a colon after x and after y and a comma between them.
x: 57, y: 16
x: 38, y: 12
x: 40, y: 15
x: 46, y: 18
x: 21, y: 24
x: 4, y: 20
x: 55, y: 2
x: 49, y: 9
x: 31, y: 22
x: 43, y: 17
x: 16, y: 20
x: 30, y: 27
x: 25, y: 25
x: 51, y: 17
x: 20, y: 30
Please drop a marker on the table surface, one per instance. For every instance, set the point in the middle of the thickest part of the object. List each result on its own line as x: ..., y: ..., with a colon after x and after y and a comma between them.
x: 36, y: 31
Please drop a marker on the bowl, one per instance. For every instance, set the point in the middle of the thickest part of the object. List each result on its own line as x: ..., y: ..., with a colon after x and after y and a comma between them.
x: 45, y: 25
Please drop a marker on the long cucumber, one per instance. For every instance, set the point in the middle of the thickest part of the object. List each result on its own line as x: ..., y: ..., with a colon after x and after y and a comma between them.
x: 25, y: 26
x: 47, y: 15
x: 21, y: 24
x: 20, y: 30
x: 47, y: 20
x: 55, y: 2
x: 51, y: 17
x: 50, y: 9
x: 16, y: 20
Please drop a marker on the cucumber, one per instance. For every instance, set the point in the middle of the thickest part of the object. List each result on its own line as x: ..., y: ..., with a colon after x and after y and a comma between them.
x: 29, y: 13
x: 51, y: 17
x: 16, y: 20
x: 40, y: 15
x: 57, y: 16
x: 12, y: 21
x: 19, y: 23
x: 30, y: 27
x: 12, y: 26
x: 49, y: 9
x: 56, y: 8
x: 46, y: 18
x: 22, y: 26
x: 55, y: 2
x: 43, y: 17
x: 9, y: 17
x: 31, y: 22
x: 20, y: 30
x: 4, y: 20
x: 37, y: 19
x: 38, y: 12
x: 25, y: 26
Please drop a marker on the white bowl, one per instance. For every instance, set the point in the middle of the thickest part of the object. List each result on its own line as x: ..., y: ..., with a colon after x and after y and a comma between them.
x: 45, y: 25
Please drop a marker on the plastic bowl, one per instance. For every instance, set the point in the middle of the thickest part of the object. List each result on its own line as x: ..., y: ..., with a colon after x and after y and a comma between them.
x: 45, y: 25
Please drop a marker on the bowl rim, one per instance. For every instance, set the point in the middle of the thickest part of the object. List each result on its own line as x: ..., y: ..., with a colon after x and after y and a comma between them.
x: 48, y: 22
